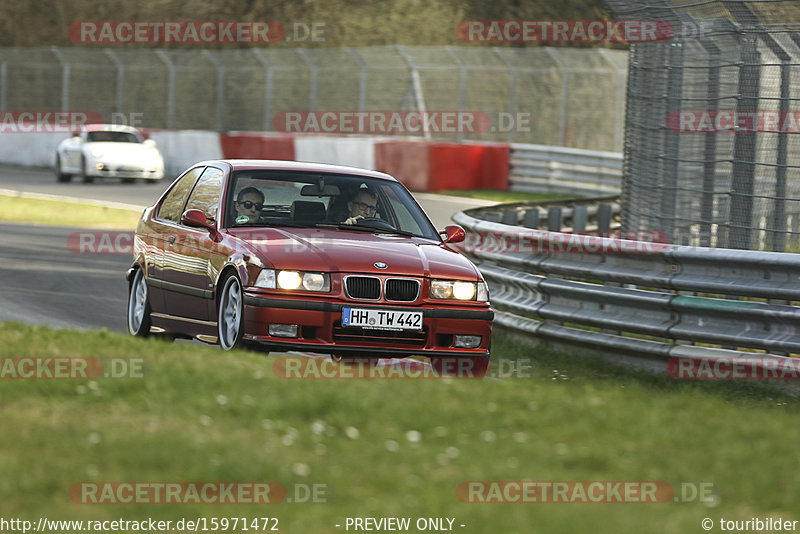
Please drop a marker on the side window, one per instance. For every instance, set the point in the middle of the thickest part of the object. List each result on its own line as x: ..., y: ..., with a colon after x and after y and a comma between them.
x: 205, y: 196
x: 172, y: 206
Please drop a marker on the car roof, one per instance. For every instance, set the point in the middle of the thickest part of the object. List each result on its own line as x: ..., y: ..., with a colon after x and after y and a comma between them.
x: 282, y: 165
x: 109, y: 128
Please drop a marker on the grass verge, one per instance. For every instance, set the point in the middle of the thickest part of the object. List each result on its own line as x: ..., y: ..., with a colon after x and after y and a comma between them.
x: 396, y: 448
x: 70, y: 214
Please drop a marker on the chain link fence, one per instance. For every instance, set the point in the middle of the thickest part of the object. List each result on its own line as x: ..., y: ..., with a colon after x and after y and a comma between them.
x: 548, y: 96
x: 712, y: 155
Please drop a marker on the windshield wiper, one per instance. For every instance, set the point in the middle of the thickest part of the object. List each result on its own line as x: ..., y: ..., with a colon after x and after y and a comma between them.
x: 370, y: 229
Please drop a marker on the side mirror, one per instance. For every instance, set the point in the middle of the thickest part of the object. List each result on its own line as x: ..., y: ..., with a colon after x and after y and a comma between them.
x: 197, y: 219
x: 453, y: 234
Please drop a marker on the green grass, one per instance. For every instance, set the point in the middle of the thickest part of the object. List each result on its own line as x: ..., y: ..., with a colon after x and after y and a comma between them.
x: 505, y: 196
x: 70, y: 214
x: 388, y: 447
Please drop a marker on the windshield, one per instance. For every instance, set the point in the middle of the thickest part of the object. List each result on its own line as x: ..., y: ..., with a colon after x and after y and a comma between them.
x: 113, y: 137
x: 345, y: 202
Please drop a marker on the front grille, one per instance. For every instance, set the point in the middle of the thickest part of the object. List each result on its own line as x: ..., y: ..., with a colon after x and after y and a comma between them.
x: 402, y: 289
x: 405, y: 338
x: 363, y: 287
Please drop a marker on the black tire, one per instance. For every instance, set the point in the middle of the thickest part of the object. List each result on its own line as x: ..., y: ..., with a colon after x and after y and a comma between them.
x: 61, y: 176
x: 139, y: 306
x: 230, y: 320
x: 129, y: 180
x: 84, y: 175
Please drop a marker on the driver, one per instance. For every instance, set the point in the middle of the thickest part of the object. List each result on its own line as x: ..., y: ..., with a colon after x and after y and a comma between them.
x: 362, y: 206
x: 248, y: 205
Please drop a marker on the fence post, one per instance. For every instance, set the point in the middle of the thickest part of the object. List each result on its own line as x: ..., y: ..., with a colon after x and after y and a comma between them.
x: 362, y: 79
x: 564, y: 93
x: 531, y: 219
x: 619, y: 104
x: 415, y: 80
x: 64, y: 78
x: 604, y: 218
x: 462, y: 85
x: 120, y: 79
x: 554, y: 220
x: 512, y: 90
x: 267, y: 88
x: 312, y: 91
x: 3, y: 82
x: 744, y: 146
x: 220, y: 88
x: 170, y: 88
x: 579, y: 216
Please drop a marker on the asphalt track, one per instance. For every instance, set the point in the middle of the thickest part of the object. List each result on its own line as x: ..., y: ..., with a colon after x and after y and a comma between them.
x: 42, y: 282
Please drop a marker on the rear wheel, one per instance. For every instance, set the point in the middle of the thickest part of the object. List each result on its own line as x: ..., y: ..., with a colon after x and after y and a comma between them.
x: 61, y: 176
x: 138, y: 307
x: 230, y: 323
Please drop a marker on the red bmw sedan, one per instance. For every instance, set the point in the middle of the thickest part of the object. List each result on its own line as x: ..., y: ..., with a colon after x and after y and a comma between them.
x: 308, y: 257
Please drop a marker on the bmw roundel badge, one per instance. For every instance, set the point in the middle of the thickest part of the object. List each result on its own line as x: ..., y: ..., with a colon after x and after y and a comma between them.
x: 380, y: 265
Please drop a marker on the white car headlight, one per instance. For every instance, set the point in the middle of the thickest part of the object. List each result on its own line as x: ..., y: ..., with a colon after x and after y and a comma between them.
x: 97, y: 153
x: 289, y: 279
x: 293, y: 280
x: 453, y: 289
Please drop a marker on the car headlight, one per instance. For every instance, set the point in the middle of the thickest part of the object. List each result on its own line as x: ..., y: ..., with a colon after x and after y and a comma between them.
x: 459, y: 290
x: 293, y: 280
x: 97, y: 153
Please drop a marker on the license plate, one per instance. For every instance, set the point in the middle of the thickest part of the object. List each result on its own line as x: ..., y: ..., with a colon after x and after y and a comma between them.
x: 382, y: 319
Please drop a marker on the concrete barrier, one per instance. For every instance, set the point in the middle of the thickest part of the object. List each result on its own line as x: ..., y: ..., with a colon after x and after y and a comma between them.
x: 30, y: 149
x: 352, y: 151
x: 406, y: 160
x: 184, y: 148
x: 257, y: 145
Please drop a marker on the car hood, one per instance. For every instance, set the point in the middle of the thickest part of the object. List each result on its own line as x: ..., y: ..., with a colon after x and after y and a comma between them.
x: 343, y: 251
x: 124, y: 151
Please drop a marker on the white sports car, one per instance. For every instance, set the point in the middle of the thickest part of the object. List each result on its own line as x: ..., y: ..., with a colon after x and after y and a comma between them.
x: 108, y: 151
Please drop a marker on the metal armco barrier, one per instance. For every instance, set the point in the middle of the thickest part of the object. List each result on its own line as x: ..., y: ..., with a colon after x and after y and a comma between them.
x: 646, y: 300
x: 550, y: 169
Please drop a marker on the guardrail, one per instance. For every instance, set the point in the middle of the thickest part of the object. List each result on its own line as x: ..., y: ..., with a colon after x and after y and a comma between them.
x: 647, y: 300
x: 550, y: 169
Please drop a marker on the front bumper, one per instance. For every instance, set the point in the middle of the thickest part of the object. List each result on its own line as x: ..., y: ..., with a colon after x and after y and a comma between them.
x: 113, y: 171
x: 321, y: 329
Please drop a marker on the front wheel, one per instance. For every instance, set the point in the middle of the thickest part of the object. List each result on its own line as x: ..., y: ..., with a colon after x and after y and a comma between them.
x: 85, y: 172
x: 230, y: 323
x: 60, y: 175
x: 138, y: 307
